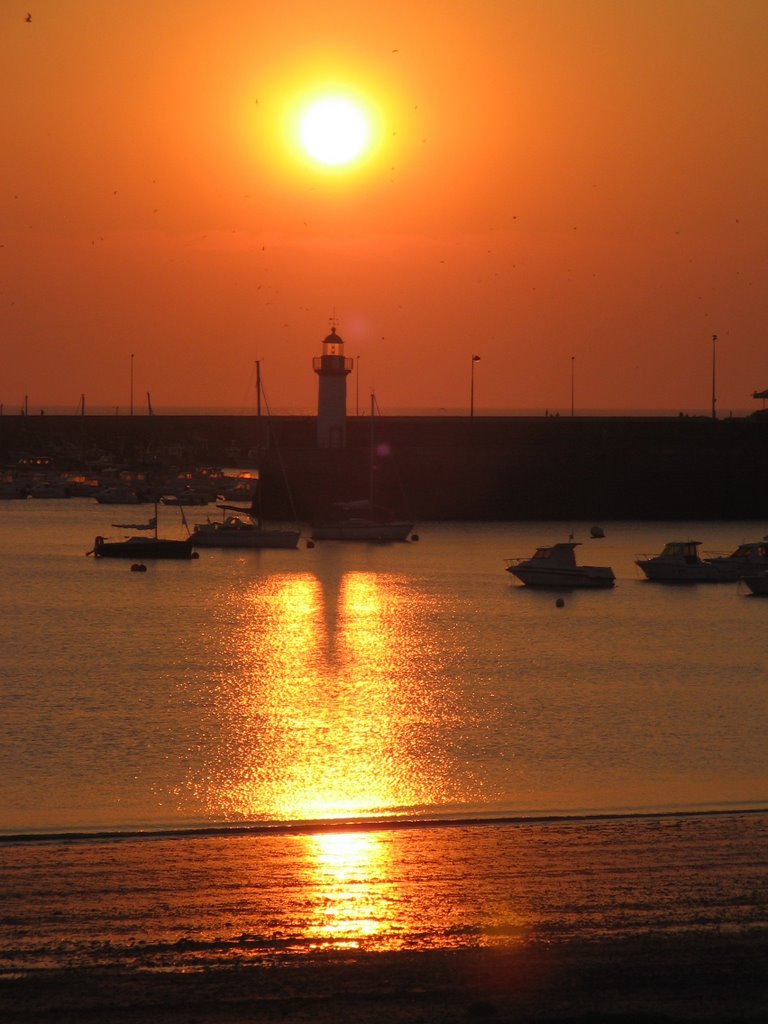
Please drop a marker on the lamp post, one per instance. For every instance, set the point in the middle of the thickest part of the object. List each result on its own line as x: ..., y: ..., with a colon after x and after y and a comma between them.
x: 131, y: 383
x: 357, y: 385
x: 573, y: 361
x: 475, y: 359
x: 258, y: 389
x: 714, y: 367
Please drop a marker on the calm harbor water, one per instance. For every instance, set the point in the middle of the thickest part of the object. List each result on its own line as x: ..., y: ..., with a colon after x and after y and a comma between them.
x: 342, y: 680
x: 413, y: 684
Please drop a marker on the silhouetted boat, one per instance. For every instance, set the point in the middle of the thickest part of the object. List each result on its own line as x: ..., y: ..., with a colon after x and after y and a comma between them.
x: 13, y: 489
x: 238, y: 532
x: 679, y: 562
x: 748, y: 559
x: 555, y: 566
x: 363, y: 520
x: 245, y: 529
x: 49, y: 489
x: 142, y: 547
x: 120, y: 496
x: 186, y: 497
x: 758, y: 583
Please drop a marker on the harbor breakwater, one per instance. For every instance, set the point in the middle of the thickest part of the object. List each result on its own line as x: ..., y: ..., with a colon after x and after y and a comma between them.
x: 443, y: 468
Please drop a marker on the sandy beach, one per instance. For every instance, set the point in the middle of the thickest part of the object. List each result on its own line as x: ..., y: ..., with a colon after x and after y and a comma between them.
x: 625, y: 920
x: 664, y: 978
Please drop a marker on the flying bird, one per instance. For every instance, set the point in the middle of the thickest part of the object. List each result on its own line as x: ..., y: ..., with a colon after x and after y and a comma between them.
x: 28, y: 17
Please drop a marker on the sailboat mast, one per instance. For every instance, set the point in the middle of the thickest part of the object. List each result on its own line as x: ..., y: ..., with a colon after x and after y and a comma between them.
x: 256, y: 499
x: 371, y: 453
x: 258, y: 389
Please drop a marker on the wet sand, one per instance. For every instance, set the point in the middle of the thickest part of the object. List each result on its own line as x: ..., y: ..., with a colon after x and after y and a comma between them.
x: 691, y: 977
x: 620, y: 920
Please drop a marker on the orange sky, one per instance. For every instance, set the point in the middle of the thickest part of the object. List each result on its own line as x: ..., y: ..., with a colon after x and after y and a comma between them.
x: 553, y: 178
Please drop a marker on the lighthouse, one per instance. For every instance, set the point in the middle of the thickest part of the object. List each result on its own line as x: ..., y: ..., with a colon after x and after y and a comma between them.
x: 332, y: 368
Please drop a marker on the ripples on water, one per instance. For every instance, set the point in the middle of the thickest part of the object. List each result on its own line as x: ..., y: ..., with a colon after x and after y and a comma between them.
x: 417, y: 681
x: 213, y: 901
x: 344, y: 680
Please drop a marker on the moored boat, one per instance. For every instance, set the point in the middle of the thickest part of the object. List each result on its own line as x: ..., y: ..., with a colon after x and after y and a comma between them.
x: 49, y: 489
x: 185, y: 497
x: 363, y: 519
x: 238, y: 532
x: 143, y: 547
x: 360, y: 520
x: 245, y: 529
x: 119, y: 495
x: 749, y: 559
x: 758, y: 584
x: 556, y: 566
x: 679, y: 562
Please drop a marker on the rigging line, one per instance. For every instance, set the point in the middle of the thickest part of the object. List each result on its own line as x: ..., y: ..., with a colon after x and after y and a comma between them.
x: 273, y: 437
x: 392, y: 462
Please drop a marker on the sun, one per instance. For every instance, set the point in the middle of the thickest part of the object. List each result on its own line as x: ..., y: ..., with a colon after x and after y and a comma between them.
x: 334, y: 131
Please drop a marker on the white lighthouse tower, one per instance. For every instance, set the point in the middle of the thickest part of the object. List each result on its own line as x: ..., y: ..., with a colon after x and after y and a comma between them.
x: 332, y: 368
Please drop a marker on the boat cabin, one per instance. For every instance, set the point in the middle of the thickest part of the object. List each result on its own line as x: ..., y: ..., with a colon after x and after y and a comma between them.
x: 752, y: 550
x: 561, y: 553
x: 688, y: 550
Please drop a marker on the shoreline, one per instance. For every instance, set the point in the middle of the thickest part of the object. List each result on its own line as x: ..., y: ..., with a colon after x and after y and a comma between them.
x: 705, y: 977
x: 386, y: 824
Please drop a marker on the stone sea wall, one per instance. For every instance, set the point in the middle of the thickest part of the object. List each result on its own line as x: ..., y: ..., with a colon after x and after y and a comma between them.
x: 445, y: 468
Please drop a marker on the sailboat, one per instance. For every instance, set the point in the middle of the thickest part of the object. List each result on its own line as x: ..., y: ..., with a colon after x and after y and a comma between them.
x: 244, y: 529
x: 142, y: 547
x: 363, y: 520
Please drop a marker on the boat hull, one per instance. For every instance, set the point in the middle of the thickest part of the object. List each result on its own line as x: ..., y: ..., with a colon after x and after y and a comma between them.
x: 598, y: 578
x: 757, y: 584
x: 732, y: 570
x: 142, y: 547
x: 673, y: 572
x: 362, y: 531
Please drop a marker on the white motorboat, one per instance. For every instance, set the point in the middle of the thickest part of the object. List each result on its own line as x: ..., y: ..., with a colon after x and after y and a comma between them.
x: 680, y: 562
x: 556, y: 566
x: 748, y: 559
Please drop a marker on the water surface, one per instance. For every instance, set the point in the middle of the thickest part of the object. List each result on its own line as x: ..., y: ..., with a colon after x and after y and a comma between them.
x: 343, y: 681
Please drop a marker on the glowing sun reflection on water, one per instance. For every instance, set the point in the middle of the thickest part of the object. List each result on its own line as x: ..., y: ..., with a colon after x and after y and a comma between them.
x: 344, y: 867
x: 327, y: 704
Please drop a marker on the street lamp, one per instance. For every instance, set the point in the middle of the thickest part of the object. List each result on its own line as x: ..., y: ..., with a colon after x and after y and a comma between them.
x: 714, y: 398
x: 475, y: 359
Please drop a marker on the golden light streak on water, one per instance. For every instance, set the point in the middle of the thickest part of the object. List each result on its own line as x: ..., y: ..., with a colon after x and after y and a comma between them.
x: 323, y: 703
x: 343, y: 869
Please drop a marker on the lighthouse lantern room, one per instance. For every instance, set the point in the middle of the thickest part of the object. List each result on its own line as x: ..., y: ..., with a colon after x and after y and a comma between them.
x: 332, y: 368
